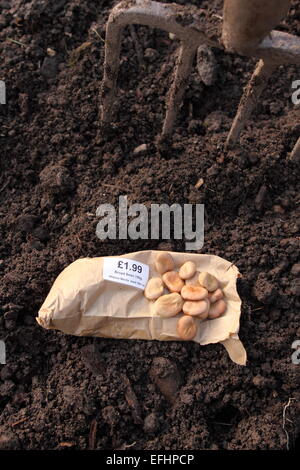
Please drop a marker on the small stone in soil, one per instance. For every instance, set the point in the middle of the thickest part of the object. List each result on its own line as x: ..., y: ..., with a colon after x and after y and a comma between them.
x: 206, y: 65
x: 260, y: 198
x: 49, y: 68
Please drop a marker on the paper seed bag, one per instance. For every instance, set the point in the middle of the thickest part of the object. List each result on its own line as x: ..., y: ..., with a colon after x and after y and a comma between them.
x: 104, y: 297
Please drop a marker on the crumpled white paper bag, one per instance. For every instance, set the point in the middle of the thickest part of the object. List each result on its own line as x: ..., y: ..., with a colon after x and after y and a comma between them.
x: 82, y: 303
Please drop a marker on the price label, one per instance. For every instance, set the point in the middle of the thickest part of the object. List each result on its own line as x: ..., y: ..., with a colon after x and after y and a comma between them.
x: 126, y: 271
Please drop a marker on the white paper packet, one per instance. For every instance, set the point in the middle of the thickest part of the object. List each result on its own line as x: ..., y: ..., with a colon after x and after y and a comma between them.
x: 81, y: 302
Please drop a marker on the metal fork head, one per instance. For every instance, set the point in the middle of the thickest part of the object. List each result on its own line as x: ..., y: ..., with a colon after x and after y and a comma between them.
x: 192, y: 28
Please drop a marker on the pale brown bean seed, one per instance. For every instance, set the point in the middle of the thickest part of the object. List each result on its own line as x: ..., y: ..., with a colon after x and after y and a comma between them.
x: 173, y: 282
x: 194, y: 293
x: 186, y: 328
x: 164, y: 262
x: 208, y: 281
x: 195, y: 307
x: 216, y: 295
x: 217, y: 309
x: 187, y: 270
x: 203, y: 316
x: 193, y: 281
x: 154, y: 288
x: 168, y: 305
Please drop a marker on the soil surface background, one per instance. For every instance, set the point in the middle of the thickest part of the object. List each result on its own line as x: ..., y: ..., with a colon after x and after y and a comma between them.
x: 58, y: 165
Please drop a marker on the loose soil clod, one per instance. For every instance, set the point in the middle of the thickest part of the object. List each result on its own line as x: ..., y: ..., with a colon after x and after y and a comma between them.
x: 166, y: 376
x: 92, y: 359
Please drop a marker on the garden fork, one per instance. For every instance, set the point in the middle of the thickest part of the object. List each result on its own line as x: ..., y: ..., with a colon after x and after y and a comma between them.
x: 192, y: 27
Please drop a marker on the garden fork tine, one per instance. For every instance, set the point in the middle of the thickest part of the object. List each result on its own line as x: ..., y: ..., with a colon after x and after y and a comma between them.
x: 184, y: 21
x: 250, y: 99
x: 295, y: 155
x: 182, y: 72
x: 277, y: 49
x: 167, y: 17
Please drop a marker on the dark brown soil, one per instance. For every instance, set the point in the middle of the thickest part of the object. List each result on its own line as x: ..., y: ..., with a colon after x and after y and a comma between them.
x: 58, y: 165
